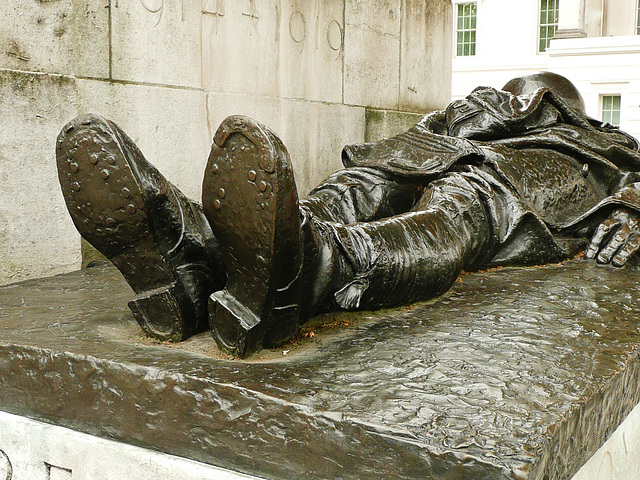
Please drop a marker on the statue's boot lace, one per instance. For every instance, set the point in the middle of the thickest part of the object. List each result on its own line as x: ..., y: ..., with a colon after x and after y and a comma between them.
x: 158, y: 239
x: 250, y: 199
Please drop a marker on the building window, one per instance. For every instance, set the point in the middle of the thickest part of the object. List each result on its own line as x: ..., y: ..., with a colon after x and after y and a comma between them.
x: 548, y: 23
x: 611, y: 109
x: 466, y: 30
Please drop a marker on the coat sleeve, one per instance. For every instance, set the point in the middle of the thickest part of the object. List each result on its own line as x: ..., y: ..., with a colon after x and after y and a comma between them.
x: 626, y: 197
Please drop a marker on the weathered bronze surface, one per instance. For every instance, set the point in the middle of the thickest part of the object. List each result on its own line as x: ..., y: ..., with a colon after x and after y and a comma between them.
x: 159, y: 240
x: 519, y: 176
x: 250, y: 200
x: 514, y: 373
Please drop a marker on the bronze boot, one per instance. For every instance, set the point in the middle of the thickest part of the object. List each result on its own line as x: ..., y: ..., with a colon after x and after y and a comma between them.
x: 159, y: 240
x: 250, y: 199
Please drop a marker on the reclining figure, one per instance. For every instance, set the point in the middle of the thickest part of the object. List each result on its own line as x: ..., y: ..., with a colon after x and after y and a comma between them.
x: 518, y: 176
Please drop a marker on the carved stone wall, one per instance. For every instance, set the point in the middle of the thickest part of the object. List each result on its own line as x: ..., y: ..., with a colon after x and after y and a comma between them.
x: 321, y: 73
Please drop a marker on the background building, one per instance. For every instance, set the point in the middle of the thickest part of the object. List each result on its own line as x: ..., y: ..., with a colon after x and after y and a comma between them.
x: 594, y: 43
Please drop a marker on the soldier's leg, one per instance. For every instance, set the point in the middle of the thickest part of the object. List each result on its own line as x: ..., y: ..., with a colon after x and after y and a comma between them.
x: 419, y: 254
x: 361, y: 194
x: 283, y: 262
x: 348, y: 196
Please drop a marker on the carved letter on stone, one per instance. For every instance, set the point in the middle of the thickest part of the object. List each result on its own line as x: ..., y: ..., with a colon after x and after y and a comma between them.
x: 335, y: 36
x: 154, y: 7
x: 298, y: 28
x: 214, y: 8
x: 6, y: 470
x: 58, y: 473
x: 252, y: 14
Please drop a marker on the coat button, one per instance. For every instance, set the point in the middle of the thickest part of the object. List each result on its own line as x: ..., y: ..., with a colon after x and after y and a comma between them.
x: 585, y: 169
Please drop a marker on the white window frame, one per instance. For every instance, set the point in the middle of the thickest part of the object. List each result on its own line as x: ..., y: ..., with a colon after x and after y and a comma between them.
x: 455, y: 30
x: 601, y: 98
x: 539, y: 25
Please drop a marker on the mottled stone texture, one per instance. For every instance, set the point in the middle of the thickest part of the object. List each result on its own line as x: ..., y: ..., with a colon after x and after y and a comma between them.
x: 169, y: 72
x: 55, y: 36
x: 156, y: 41
x: 36, y: 234
x: 516, y: 373
x: 381, y: 124
x: 425, y: 53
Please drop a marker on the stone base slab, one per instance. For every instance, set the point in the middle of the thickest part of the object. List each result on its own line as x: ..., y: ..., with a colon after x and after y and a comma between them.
x: 515, y: 373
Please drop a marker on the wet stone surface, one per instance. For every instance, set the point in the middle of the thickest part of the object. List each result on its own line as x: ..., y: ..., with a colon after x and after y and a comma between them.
x: 515, y: 373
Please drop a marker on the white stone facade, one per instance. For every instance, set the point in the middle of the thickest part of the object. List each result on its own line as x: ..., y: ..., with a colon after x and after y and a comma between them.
x: 169, y: 71
x: 618, y: 458
x: 31, y: 450
x: 596, y: 47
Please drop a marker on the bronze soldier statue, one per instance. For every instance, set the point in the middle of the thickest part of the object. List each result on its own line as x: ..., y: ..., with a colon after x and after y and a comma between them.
x: 518, y: 176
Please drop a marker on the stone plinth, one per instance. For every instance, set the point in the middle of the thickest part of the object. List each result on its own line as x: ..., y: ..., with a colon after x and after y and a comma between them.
x: 515, y: 373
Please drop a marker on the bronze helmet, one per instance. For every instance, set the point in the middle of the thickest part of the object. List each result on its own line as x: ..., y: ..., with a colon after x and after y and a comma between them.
x: 557, y: 83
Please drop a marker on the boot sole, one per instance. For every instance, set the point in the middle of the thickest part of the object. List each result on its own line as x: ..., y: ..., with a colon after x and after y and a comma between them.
x: 250, y: 200
x: 109, y: 210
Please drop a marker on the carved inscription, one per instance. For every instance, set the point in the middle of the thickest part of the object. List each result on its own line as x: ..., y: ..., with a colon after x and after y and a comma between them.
x: 155, y: 7
x: 215, y: 8
x: 253, y: 16
x: 6, y: 469
x: 58, y: 473
x: 297, y: 28
x: 335, y: 35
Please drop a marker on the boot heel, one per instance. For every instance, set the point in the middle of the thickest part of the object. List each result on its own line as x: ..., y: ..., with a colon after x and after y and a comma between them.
x: 159, y: 314
x: 250, y: 200
x: 235, y: 328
